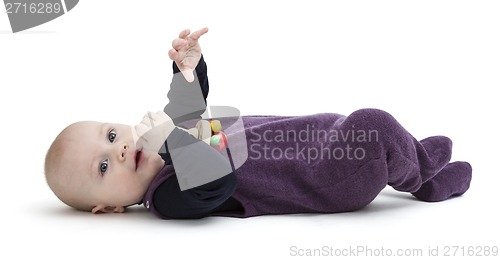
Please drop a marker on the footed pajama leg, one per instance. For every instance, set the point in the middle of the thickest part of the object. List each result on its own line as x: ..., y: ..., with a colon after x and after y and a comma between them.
x: 420, y: 167
x: 333, y: 163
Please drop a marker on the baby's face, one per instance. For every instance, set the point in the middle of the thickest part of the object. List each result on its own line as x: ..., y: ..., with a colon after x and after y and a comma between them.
x: 111, y: 170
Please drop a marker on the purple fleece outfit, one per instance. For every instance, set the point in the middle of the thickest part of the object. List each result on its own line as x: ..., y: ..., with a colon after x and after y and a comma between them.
x: 329, y: 163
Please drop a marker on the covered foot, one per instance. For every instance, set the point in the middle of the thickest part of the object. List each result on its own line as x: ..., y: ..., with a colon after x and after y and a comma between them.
x: 453, y: 180
x: 436, y: 156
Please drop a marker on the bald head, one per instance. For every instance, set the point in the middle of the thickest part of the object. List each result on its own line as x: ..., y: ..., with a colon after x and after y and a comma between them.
x: 62, y: 171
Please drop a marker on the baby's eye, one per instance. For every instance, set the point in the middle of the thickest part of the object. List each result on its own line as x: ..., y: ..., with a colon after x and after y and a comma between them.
x: 112, y: 136
x: 103, y: 167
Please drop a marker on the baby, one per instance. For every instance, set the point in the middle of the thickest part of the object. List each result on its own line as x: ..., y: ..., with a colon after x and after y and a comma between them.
x: 322, y: 163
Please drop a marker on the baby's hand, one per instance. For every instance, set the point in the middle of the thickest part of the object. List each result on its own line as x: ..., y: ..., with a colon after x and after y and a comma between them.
x: 186, y: 52
x: 152, y: 132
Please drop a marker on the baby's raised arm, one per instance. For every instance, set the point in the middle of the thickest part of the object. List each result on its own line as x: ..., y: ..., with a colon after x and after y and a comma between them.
x: 187, y: 94
x: 188, y: 90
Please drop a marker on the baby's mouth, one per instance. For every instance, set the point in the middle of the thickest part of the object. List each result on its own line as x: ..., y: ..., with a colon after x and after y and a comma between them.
x: 138, y: 157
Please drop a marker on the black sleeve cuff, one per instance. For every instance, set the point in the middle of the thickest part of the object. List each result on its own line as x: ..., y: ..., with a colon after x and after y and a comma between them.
x: 194, y: 203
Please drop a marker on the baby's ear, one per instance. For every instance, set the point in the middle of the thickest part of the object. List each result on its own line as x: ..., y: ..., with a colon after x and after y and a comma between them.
x: 107, y: 209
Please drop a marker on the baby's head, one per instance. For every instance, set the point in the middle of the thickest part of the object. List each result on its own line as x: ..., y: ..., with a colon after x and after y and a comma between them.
x: 96, y: 167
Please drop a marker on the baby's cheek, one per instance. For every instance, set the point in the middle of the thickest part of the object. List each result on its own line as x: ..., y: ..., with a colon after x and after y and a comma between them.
x: 157, y: 163
x: 153, y: 166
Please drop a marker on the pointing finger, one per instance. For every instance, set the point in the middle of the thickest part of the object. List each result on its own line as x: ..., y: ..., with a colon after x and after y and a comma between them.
x: 196, y: 35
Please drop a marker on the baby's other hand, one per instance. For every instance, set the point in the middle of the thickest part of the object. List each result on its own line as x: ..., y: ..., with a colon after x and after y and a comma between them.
x: 152, y: 131
x: 186, y: 52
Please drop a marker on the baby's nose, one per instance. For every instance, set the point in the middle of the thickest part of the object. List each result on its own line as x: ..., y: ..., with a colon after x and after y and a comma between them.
x: 124, y: 149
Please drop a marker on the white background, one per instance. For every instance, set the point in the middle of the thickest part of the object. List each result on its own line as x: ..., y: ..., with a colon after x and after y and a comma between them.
x: 434, y: 65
